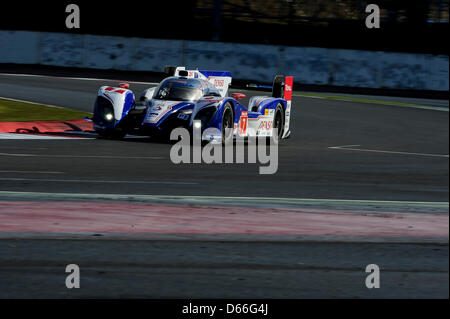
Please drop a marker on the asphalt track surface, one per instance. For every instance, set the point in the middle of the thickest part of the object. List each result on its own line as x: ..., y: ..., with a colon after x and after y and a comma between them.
x: 390, y: 153
x: 309, y: 165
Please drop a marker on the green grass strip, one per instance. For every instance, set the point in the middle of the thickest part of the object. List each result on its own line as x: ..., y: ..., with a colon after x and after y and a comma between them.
x: 18, y: 111
x: 355, y: 99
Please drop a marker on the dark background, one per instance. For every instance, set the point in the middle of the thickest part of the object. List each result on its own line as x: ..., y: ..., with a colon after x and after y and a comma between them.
x: 406, y: 25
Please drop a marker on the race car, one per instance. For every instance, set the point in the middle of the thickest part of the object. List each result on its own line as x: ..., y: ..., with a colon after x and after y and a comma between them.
x: 193, y: 97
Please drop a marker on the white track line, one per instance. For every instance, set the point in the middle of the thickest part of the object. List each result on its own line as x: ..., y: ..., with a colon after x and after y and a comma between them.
x: 380, y: 102
x: 352, y: 148
x: 32, y: 172
x: 80, y: 156
x: 76, y: 78
x: 16, y: 136
x: 233, y: 199
x: 94, y: 181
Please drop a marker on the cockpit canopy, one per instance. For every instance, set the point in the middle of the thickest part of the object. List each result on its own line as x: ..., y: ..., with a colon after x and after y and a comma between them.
x: 184, y: 89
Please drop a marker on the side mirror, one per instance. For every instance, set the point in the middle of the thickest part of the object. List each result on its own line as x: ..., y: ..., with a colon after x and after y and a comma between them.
x: 237, y: 96
x: 124, y: 85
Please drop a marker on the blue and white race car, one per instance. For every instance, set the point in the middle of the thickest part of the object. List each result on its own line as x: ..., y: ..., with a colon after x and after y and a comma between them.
x: 193, y: 97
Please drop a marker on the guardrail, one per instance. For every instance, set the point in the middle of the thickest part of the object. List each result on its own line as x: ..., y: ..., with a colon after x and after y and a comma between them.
x: 308, y: 65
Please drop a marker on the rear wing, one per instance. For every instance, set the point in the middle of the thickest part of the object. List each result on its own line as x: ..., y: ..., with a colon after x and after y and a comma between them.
x: 282, y: 87
x: 220, y: 79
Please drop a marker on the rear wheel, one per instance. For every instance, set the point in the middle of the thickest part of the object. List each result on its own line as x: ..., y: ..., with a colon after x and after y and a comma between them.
x: 227, y: 123
x: 278, y: 123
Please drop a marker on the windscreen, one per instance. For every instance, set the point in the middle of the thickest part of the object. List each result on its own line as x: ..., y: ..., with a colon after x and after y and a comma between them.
x: 179, y: 90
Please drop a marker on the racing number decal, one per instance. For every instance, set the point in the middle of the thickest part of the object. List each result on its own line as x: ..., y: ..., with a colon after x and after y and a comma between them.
x: 243, y: 123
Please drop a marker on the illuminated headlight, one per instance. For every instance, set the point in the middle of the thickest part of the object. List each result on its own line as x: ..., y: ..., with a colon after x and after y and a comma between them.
x: 109, y: 116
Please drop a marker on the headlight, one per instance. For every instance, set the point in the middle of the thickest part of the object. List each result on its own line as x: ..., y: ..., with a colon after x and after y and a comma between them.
x: 109, y: 116
x: 103, y: 111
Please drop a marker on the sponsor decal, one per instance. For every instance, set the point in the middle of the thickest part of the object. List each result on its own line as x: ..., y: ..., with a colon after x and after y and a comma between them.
x: 161, y: 109
x: 218, y: 82
x: 212, y: 99
x: 288, y: 88
x: 183, y: 116
x: 268, y: 112
x: 265, y: 125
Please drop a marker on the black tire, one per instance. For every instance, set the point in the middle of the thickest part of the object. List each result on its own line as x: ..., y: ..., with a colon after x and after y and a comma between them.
x: 227, y: 122
x: 278, y: 86
x: 278, y: 122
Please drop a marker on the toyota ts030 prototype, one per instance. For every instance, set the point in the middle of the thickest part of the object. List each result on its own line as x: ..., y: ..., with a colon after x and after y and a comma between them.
x: 193, y: 97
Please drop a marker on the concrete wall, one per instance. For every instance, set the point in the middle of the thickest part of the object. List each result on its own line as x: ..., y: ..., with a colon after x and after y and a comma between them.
x: 307, y: 65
